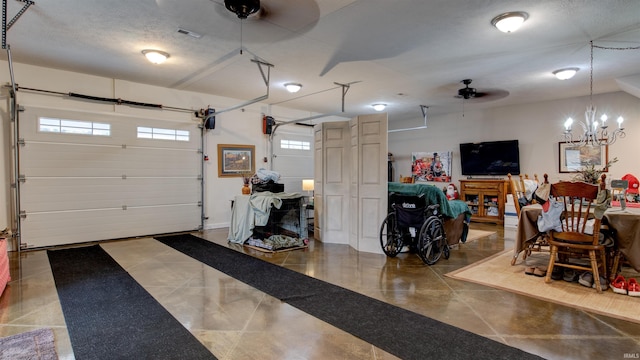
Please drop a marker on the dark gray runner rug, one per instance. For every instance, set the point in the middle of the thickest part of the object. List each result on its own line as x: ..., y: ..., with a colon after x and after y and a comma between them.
x: 110, y: 316
x: 403, y: 333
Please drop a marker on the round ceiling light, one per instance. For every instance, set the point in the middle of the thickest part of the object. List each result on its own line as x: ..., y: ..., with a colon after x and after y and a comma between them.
x: 509, y: 21
x: 379, y: 107
x: 565, y: 74
x: 156, y: 56
x: 293, y: 87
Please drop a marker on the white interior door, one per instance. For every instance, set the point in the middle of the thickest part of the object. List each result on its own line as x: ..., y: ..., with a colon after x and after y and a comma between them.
x: 371, y: 179
x: 80, y: 187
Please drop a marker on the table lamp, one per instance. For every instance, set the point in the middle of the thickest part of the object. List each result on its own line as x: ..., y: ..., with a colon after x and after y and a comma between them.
x: 307, y: 185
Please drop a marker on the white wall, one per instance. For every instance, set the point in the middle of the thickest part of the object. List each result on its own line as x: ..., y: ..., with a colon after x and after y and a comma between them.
x: 538, y: 127
x: 241, y: 126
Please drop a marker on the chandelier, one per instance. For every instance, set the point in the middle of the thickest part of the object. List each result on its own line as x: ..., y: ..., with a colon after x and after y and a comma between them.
x: 594, y: 132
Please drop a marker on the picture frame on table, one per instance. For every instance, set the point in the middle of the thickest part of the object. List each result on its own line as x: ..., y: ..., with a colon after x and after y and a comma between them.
x: 574, y: 158
x: 236, y: 160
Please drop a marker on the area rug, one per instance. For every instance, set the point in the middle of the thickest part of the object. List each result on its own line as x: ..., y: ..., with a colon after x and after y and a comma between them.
x: 401, y: 332
x: 477, y: 234
x: 33, y: 345
x: 109, y: 315
x: 498, y: 273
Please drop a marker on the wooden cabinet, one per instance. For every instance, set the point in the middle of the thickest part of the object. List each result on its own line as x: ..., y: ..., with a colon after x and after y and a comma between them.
x: 486, y: 199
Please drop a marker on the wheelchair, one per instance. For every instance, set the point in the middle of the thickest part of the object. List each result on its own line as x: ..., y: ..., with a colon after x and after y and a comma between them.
x: 411, y: 222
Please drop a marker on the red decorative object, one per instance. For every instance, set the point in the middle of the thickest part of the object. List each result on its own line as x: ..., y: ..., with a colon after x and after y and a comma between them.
x: 452, y: 192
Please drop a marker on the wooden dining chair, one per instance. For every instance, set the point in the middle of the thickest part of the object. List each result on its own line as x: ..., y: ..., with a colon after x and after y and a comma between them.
x: 540, y: 243
x: 407, y: 179
x: 574, y: 242
x: 519, y: 188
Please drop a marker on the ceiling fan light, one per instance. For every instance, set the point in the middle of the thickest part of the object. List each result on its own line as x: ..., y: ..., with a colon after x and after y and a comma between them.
x: 379, y: 107
x: 156, y: 56
x: 565, y: 74
x: 509, y: 21
x: 293, y: 87
x: 242, y: 8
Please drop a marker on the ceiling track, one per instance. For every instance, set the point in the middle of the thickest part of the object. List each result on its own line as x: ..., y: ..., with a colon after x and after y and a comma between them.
x: 8, y: 26
x: 423, y: 108
x: 266, y: 78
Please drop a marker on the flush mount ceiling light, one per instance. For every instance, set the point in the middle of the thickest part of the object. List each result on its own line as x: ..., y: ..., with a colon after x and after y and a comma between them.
x: 509, y: 21
x: 156, y: 56
x: 293, y: 87
x: 379, y: 107
x: 565, y: 74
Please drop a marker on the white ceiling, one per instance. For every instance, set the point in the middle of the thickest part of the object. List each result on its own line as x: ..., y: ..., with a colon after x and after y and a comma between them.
x: 405, y: 53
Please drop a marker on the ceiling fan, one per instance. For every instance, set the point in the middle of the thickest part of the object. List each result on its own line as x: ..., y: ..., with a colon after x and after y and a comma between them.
x: 469, y: 93
x: 242, y: 8
x: 264, y: 19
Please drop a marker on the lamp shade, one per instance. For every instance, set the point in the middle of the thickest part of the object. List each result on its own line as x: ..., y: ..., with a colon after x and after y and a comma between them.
x: 307, y: 184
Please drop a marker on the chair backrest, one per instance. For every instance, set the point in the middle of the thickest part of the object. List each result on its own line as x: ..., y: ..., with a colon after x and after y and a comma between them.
x: 407, y: 179
x: 619, y: 192
x: 410, y: 209
x: 578, y: 199
x: 519, y: 189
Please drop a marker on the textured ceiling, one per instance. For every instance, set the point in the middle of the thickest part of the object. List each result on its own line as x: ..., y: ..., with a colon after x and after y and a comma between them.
x: 403, y: 53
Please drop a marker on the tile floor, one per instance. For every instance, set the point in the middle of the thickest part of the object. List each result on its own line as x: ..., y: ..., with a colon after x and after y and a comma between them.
x: 236, y: 321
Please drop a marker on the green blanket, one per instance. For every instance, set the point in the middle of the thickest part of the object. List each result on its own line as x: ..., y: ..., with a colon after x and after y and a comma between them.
x: 433, y: 195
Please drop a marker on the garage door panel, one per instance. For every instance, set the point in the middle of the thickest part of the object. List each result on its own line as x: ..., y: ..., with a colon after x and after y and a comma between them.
x: 44, y: 159
x: 61, y: 194
x: 51, y: 160
x: 52, y: 229
x: 161, y: 191
x: 161, y: 162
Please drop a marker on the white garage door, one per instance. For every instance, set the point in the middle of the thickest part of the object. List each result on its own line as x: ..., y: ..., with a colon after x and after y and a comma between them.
x: 90, y: 177
x: 293, y: 156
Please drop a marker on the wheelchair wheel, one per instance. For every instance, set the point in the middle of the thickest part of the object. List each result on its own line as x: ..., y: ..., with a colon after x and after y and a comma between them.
x: 432, y: 242
x: 390, y: 236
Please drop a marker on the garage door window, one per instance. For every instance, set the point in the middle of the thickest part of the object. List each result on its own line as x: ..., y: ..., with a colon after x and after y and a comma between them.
x: 65, y: 126
x: 295, y: 144
x: 162, y: 134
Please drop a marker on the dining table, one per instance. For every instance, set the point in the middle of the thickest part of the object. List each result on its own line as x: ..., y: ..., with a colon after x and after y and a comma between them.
x: 625, y: 225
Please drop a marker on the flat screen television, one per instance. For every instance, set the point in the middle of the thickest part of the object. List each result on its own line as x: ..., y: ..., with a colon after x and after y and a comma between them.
x: 490, y: 158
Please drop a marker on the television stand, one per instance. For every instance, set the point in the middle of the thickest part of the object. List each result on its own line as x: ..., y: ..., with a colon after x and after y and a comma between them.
x: 484, y: 178
x: 485, y: 198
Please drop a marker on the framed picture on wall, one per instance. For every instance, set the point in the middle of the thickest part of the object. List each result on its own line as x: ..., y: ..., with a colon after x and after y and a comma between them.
x: 236, y: 160
x: 431, y: 166
x: 574, y: 158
